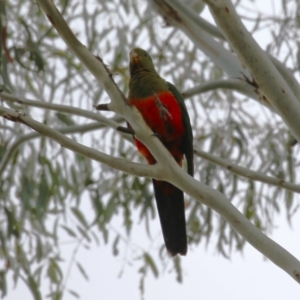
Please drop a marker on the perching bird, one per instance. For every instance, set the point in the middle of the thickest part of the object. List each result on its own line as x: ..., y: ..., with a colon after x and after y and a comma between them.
x: 163, y: 109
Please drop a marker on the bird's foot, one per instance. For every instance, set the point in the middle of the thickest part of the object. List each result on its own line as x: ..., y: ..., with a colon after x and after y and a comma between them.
x: 103, y: 107
x: 156, y: 135
x: 126, y: 130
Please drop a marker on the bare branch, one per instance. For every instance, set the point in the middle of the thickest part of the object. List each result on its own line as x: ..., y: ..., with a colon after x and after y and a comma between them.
x: 61, y: 108
x: 214, y: 31
x: 116, y: 163
x: 175, y: 14
x: 216, y: 201
x: 233, y: 84
x: 245, y: 172
x: 266, y: 76
x: 200, y: 31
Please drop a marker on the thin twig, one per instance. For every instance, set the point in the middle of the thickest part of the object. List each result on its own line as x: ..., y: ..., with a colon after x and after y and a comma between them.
x: 245, y: 172
x: 26, y: 137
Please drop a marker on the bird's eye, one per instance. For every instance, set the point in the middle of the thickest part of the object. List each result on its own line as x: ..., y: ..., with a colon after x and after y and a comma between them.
x: 145, y: 55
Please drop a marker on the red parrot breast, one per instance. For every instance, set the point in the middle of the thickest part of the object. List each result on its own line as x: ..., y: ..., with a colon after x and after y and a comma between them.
x: 163, y: 115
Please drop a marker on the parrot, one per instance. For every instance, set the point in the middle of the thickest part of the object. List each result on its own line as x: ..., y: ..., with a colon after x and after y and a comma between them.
x: 163, y: 109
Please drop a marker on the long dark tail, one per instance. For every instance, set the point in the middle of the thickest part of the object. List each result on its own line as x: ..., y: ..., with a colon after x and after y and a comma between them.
x: 170, y: 205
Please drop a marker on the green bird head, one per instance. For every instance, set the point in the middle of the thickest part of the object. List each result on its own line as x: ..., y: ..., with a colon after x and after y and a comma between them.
x: 140, y: 60
x: 144, y: 80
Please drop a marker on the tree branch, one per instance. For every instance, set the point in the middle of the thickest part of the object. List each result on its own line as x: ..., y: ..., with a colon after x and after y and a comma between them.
x: 214, y: 31
x: 266, y: 76
x: 178, y: 15
x: 199, y: 31
x: 233, y: 84
x: 253, y: 175
x: 116, y: 163
x: 216, y: 201
x: 61, y: 108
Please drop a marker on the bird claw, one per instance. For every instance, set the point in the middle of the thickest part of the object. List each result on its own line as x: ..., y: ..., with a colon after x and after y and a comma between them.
x: 155, y: 135
x: 126, y: 130
x: 103, y: 107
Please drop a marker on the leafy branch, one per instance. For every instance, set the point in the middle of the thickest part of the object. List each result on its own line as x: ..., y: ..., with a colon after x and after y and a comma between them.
x: 171, y: 171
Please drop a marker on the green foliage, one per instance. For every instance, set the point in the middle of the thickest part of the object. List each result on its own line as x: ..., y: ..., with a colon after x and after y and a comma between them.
x: 49, y: 195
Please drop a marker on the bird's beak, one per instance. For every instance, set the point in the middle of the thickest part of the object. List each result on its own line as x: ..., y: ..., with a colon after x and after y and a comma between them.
x: 134, y: 58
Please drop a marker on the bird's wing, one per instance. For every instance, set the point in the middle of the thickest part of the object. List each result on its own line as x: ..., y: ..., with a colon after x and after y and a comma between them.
x: 188, y: 137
